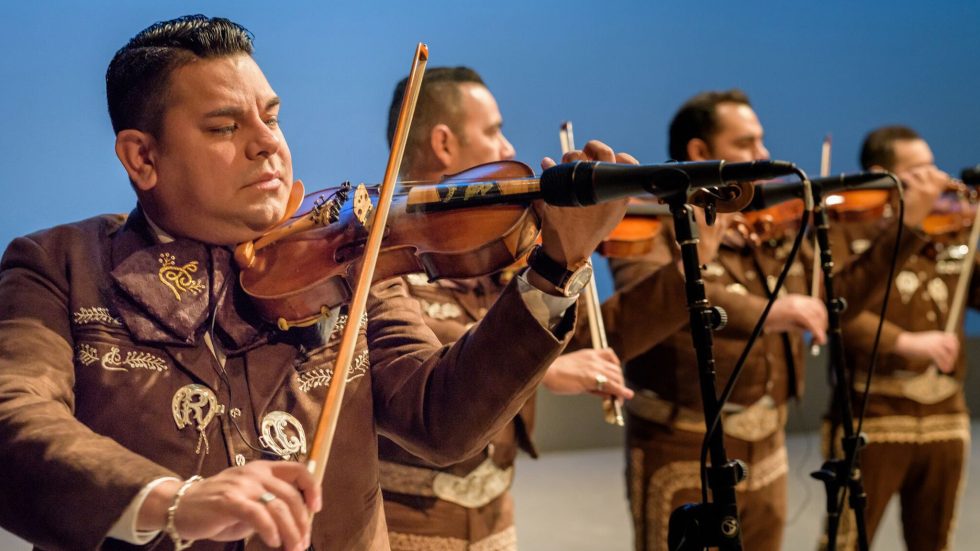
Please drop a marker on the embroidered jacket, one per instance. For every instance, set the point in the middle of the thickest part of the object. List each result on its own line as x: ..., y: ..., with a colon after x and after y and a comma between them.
x: 106, y: 383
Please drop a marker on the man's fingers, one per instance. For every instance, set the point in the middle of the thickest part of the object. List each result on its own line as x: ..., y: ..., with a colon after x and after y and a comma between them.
x: 290, y: 532
x: 626, y: 158
x: 296, y: 474
x: 599, y: 151
x: 547, y: 163
x: 258, y: 516
x: 608, y: 355
x: 290, y: 500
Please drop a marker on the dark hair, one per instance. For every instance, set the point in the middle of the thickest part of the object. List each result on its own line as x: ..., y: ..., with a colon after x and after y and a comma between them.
x: 439, y: 100
x: 698, y: 118
x: 879, y: 146
x: 137, y: 78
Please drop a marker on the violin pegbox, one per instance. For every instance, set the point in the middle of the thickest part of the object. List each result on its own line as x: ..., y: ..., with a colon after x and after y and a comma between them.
x: 327, y: 210
x: 362, y: 205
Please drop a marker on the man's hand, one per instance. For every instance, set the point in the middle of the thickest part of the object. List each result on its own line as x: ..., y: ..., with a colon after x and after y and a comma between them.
x: 569, y: 235
x: 578, y: 372
x: 942, y: 348
x: 923, y: 185
x: 795, y: 312
x: 227, y: 506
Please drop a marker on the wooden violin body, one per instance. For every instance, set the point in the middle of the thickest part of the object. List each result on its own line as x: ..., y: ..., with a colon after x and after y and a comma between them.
x: 294, y: 280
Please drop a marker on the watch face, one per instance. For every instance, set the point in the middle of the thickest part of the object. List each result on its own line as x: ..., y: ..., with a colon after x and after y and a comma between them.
x: 578, y: 280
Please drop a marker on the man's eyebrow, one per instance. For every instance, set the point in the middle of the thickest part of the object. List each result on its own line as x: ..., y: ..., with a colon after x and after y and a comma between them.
x: 232, y: 111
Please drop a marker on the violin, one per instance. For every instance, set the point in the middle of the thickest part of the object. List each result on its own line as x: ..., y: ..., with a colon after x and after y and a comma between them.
x: 952, y: 212
x: 771, y: 224
x: 305, y: 269
x: 635, y: 234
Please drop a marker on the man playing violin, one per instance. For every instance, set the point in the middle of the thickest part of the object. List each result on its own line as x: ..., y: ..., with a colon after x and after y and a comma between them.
x: 458, y: 125
x: 917, y: 423
x: 665, y: 423
x: 141, y: 397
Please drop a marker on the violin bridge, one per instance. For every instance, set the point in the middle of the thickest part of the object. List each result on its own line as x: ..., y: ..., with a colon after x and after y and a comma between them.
x: 363, y: 206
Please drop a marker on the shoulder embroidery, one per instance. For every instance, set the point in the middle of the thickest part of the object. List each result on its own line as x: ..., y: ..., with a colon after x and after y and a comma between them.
x: 341, y: 324
x: 441, y: 310
x: 112, y: 360
x: 316, y: 378
x: 178, y: 278
x: 419, y: 280
x: 858, y: 246
x: 95, y: 314
x: 714, y: 269
x: 737, y: 289
x: 907, y: 283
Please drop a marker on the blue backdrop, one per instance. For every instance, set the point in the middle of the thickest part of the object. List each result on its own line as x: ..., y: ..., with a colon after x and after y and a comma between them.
x: 617, y: 69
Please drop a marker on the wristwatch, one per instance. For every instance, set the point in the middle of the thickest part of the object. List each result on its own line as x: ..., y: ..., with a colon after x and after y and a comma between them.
x: 567, y: 282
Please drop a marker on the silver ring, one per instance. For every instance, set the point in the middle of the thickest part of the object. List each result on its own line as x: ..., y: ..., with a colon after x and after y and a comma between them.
x: 267, y: 498
x: 600, y: 382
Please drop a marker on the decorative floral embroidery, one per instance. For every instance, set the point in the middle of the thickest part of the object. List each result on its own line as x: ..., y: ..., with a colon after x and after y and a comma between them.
x: 113, y: 360
x: 87, y: 354
x: 338, y: 328
x: 96, y: 314
x: 178, y: 278
x: 316, y: 378
x: 441, y: 310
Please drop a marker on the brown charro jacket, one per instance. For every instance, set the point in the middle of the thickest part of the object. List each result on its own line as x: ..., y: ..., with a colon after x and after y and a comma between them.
x: 921, y: 298
x: 106, y: 383
x: 738, y: 281
x: 450, y: 308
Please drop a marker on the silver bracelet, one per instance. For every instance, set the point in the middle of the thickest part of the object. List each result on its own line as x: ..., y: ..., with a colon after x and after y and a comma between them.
x: 171, y: 528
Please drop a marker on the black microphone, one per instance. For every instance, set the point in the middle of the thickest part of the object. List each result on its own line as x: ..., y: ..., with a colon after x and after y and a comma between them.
x: 971, y: 176
x: 773, y: 193
x: 585, y: 183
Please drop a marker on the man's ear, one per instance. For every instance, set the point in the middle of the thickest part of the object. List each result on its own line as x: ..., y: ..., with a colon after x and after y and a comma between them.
x: 137, y: 153
x: 698, y: 150
x: 445, y: 146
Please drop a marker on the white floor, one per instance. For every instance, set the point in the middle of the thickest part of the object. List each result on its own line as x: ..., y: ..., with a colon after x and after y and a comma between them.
x: 575, y: 501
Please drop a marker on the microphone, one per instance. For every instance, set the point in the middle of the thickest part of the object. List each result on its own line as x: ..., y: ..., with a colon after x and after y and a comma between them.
x: 585, y: 183
x: 767, y: 195
x: 971, y: 176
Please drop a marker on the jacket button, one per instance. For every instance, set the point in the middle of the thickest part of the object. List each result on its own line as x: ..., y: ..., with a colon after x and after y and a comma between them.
x: 240, y: 460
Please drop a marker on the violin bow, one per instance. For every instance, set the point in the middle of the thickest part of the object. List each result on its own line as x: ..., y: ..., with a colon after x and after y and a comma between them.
x: 815, y: 283
x: 327, y: 425
x: 612, y: 409
x: 966, y: 273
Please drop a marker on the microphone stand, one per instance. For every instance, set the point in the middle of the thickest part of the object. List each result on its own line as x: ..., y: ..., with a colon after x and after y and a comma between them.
x: 839, y: 476
x: 696, y: 526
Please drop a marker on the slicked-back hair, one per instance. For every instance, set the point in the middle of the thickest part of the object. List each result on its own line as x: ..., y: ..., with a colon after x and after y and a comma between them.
x: 879, y: 146
x: 138, y: 75
x: 698, y: 118
x: 439, y: 102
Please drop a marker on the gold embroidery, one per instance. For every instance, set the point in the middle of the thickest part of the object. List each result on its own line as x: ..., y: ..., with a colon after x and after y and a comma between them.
x: 714, y: 269
x: 316, y: 378
x: 903, y: 429
x: 287, y: 444
x: 87, y: 354
x: 736, y: 289
x: 441, y: 310
x: 96, y: 314
x: 505, y: 540
x: 477, y: 488
x: 111, y: 360
x: 414, y: 542
x: 858, y: 246
x: 418, y: 280
x: 939, y: 293
x: 341, y: 323
x: 195, y: 405
x: 906, y: 282
x: 667, y: 481
x: 929, y: 387
x: 178, y: 278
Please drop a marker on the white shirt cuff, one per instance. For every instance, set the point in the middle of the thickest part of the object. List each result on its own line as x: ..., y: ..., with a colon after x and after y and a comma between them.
x: 547, y: 309
x: 125, y: 528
